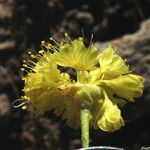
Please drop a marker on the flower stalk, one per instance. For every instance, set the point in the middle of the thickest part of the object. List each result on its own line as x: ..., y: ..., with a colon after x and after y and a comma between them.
x: 85, y: 119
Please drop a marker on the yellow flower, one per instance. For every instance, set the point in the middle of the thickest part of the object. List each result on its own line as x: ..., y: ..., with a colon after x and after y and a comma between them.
x: 47, y: 87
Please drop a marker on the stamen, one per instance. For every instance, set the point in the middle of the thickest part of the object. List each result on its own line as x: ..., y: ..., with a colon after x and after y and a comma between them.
x: 52, y: 39
x: 68, y: 37
x: 25, y: 65
x: 41, y: 52
x: 29, y: 53
x: 18, y: 103
x: 24, y: 70
x: 29, y: 67
x: 24, y: 61
x: 82, y: 33
x: 52, y: 48
x: 91, y: 41
x: 56, y: 49
x: 32, y: 62
x: 33, y: 56
x: 80, y: 38
x: 28, y: 63
x: 49, y: 46
x: 38, y: 56
x: 43, y: 43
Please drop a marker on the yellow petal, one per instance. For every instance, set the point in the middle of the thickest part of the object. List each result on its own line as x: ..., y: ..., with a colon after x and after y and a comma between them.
x: 111, y: 64
x: 109, y: 117
x: 37, y: 83
x: 72, y: 112
x: 47, y: 66
x: 33, y: 81
x: 83, y: 77
x: 126, y: 86
x: 48, y: 100
x: 76, y: 55
x: 44, y: 73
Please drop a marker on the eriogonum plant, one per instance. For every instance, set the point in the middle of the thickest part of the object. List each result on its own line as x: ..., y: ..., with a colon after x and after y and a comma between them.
x: 91, y: 99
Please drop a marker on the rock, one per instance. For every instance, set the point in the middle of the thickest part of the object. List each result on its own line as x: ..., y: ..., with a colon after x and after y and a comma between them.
x: 145, y: 148
x: 4, y: 105
x: 4, y: 31
x: 32, y: 130
x: 75, y: 19
x: 10, y: 44
x: 6, y: 15
x: 8, y: 80
x: 5, y: 11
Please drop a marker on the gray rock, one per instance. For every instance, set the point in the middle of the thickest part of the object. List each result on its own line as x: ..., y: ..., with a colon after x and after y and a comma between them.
x: 4, y: 105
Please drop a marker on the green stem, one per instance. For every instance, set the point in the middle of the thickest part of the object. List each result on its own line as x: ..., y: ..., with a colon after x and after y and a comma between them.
x: 85, y: 118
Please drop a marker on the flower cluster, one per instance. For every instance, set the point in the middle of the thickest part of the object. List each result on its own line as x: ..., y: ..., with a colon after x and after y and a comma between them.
x: 102, y: 82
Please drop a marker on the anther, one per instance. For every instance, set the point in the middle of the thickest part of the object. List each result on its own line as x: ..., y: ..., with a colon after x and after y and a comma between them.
x: 24, y: 65
x: 29, y: 53
x: 24, y: 107
x: 22, y: 69
x: 43, y: 43
x: 49, y: 46
x: 68, y: 38
x: 33, y: 56
x: 41, y: 52
x: 80, y: 38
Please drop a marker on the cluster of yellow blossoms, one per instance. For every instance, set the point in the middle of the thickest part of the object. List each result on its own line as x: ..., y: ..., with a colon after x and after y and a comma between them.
x: 102, y: 82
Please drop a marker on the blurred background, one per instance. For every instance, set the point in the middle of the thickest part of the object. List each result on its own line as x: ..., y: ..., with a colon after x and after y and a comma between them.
x: 25, y: 23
